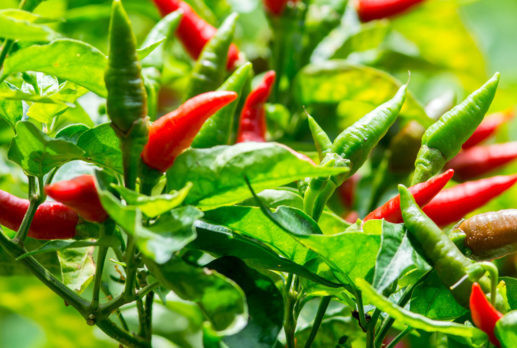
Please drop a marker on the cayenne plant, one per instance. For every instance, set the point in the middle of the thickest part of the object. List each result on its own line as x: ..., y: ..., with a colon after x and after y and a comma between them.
x: 214, y: 179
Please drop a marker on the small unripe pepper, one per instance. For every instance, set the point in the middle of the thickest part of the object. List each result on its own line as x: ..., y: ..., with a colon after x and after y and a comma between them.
x: 369, y: 10
x: 483, y: 313
x: 491, y: 235
x: 252, y: 124
x: 173, y: 133
x: 193, y: 31
x: 52, y: 220
x: 81, y: 195
x: 452, y: 204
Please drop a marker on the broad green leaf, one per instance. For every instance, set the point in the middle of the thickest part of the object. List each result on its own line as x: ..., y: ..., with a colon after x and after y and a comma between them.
x: 506, y: 329
x: 361, y: 88
x: 102, y: 146
x: 219, y: 298
x: 416, y: 321
x: 264, y: 300
x: 10, y: 93
x: 395, y: 257
x: 434, y: 300
x: 77, y: 267
x: 332, y: 330
x: 152, y: 206
x: 158, y: 242
x: 511, y: 291
x: 72, y: 133
x: 67, y: 59
x: 11, y: 110
x: 37, y: 153
x: 222, y: 241
x: 24, y: 26
x: 265, y: 164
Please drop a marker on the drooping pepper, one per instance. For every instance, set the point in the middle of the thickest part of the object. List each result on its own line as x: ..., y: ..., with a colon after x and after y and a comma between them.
x: 487, y: 128
x: 369, y: 10
x: 193, y: 31
x: 277, y: 7
x: 208, y: 72
x: 423, y: 193
x: 357, y: 141
x: 218, y: 129
x: 480, y: 160
x: 173, y: 133
x: 252, y: 124
x: 452, y: 267
x: 127, y: 97
x: 81, y: 195
x: 452, y: 204
x: 52, y: 220
x: 444, y: 138
x: 491, y: 235
x: 483, y: 313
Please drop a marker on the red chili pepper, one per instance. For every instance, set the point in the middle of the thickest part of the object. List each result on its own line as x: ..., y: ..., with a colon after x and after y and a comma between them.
x: 423, y: 193
x: 347, y: 191
x: 252, y: 126
x: 484, y: 315
x: 193, y: 31
x: 487, y: 128
x: 376, y: 9
x: 277, y: 7
x: 173, y: 133
x: 81, y: 195
x: 479, y: 160
x: 52, y: 220
x: 453, y: 204
x: 351, y: 216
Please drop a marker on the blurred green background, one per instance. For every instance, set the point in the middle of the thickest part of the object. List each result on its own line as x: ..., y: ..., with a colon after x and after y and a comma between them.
x: 460, y: 43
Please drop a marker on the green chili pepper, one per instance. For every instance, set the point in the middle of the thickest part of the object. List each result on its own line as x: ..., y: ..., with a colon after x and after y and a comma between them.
x: 321, y: 139
x: 453, y: 268
x: 444, y: 138
x: 209, y: 70
x: 217, y: 130
x: 127, y: 99
x: 357, y: 141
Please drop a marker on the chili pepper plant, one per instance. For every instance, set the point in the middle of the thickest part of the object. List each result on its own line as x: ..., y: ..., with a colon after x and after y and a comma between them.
x: 236, y: 173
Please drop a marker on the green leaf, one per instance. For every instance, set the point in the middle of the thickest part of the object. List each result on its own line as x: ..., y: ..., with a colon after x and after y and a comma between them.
x: 221, y: 241
x: 416, y: 321
x: 396, y: 257
x: 11, y: 93
x: 77, y: 267
x: 152, y: 206
x: 170, y: 233
x: 265, y: 164
x: 143, y: 52
x: 506, y: 329
x: 434, y: 300
x: 72, y: 132
x: 67, y: 59
x: 24, y: 26
x: 58, y: 245
x: 219, y: 298
x: 357, y: 90
x: 102, y: 146
x: 511, y: 290
x: 11, y: 110
x: 37, y: 153
x: 264, y: 300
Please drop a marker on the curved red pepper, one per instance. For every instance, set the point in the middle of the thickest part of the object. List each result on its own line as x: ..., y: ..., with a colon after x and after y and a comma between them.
x: 193, y: 31
x: 423, y: 193
x: 81, y: 195
x: 277, y: 7
x: 346, y: 191
x: 453, y: 204
x: 52, y: 220
x: 479, y: 160
x: 369, y: 10
x: 487, y: 128
x: 173, y: 133
x: 484, y: 315
x: 252, y: 126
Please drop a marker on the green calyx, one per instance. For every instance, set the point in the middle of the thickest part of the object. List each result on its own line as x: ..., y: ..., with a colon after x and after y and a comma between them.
x: 217, y: 130
x: 127, y: 98
x: 210, y: 68
x: 357, y: 141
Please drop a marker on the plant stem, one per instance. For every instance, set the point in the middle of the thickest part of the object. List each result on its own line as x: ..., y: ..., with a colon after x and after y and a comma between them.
x: 325, y: 301
x: 360, y: 309
x: 149, y: 300
x: 131, y: 267
x: 370, y: 332
x: 400, y: 336
x: 34, y: 202
x: 120, y: 335
x: 101, y: 258
x: 289, y: 320
x: 141, y: 318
